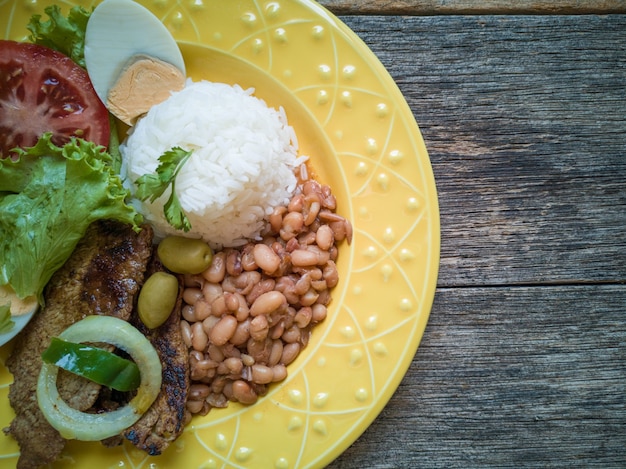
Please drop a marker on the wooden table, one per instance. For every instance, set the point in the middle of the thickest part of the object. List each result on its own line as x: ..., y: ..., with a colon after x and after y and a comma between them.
x: 523, y: 362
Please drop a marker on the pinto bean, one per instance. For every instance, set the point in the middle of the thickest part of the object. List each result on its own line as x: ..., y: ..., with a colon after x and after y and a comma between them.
x: 201, y: 310
x: 195, y: 406
x: 218, y: 307
x: 248, y: 262
x: 319, y: 285
x: 191, y: 295
x: 266, y: 258
x: 247, y: 359
x: 277, y: 330
x: 209, y: 322
x: 333, y: 253
x: 296, y: 203
x: 309, y: 297
x: 276, y: 352
x: 303, y: 285
x: 290, y: 352
x: 216, y: 271
x: 287, y: 286
x: 217, y: 400
x: 185, y: 329
x: 264, y: 286
x: 267, y: 303
x: 243, y: 393
x: 322, y: 256
x: 292, y: 334
x: 307, y: 238
x: 262, y: 374
x: 202, y: 369
x: 323, y: 297
x: 223, y: 330
x: 234, y: 365
x: 198, y: 392
x: 260, y: 350
x: 330, y: 217
x: 243, y: 310
x: 245, y: 282
x: 303, y: 258
x: 259, y: 327
x: 330, y: 202
x: 292, y: 225
x: 233, y: 263
x: 188, y: 313
x: 312, y: 212
x: 311, y: 186
x: 292, y: 245
x: 199, y: 338
x: 325, y: 237
x: 241, y: 334
x: 318, y: 312
x: 280, y: 372
x: 276, y: 218
x: 231, y: 302
x: 303, y: 317
x: 349, y: 231
x: 212, y: 291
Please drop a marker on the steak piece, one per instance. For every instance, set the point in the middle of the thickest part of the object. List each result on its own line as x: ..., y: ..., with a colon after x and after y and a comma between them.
x: 165, y: 419
x: 102, y: 276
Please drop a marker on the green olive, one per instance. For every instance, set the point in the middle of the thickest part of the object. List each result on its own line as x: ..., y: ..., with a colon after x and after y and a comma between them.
x: 185, y: 255
x: 157, y: 299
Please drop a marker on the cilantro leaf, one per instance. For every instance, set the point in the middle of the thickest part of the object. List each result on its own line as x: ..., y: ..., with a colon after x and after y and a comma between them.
x: 153, y: 186
x: 66, y: 35
x: 6, y: 324
x: 48, y: 198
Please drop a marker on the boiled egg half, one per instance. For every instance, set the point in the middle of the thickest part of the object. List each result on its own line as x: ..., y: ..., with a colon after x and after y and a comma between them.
x: 132, y: 59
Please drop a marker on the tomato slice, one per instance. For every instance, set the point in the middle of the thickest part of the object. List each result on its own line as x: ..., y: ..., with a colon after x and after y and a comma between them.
x: 42, y: 90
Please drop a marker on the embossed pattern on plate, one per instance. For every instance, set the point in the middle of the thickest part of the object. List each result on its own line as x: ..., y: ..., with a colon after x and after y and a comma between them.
x: 353, y: 122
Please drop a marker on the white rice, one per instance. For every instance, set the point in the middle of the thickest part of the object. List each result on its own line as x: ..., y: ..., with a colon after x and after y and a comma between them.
x: 242, y: 165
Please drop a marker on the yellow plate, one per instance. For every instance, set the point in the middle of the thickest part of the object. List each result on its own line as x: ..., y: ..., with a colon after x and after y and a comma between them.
x: 353, y: 122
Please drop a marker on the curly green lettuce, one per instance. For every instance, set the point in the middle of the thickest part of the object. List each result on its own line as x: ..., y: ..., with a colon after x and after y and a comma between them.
x: 48, y: 198
x: 66, y: 35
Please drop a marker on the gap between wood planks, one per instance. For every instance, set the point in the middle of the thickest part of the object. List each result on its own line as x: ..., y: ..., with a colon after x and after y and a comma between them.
x: 572, y: 284
x: 473, y: 7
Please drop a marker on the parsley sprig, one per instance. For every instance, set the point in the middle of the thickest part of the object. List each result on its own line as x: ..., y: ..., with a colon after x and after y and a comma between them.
x: 152, y: 186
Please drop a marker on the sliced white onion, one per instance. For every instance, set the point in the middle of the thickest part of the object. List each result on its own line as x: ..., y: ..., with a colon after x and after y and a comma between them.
x: 74, y: 424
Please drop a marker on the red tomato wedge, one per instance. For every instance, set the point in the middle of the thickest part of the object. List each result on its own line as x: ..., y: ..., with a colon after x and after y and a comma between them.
x: 42, y: 90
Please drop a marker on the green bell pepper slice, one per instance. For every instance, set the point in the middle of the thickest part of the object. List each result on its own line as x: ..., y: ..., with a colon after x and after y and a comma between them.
x: 93, y: 363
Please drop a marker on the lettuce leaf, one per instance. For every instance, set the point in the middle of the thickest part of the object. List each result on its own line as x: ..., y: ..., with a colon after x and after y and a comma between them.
x: 6, y: 324
x: 48, y: 198
x: 66, y: 35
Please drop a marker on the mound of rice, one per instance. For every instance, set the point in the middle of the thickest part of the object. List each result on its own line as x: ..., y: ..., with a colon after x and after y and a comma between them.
x: 242, y: 165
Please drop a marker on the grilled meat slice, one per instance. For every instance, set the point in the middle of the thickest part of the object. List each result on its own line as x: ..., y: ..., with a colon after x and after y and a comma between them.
x: 103, y: 276
x: 165, y: 420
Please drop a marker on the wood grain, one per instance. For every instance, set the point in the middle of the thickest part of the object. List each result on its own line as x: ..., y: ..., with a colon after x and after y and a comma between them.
x: 509, y: 377
x: 525, y: 125
x: 523, y: 362
x: 474, y: 7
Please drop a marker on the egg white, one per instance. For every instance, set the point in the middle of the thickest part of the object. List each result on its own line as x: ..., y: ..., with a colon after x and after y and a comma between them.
x: 119, y: 30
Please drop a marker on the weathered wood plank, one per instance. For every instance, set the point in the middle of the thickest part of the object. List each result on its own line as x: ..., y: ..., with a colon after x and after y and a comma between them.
x: 473, y: 7
x: 524, y: 120
x: 509, y: 377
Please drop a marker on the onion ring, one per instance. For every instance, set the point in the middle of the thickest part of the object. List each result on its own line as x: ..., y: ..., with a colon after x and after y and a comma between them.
x: 74, y: 424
